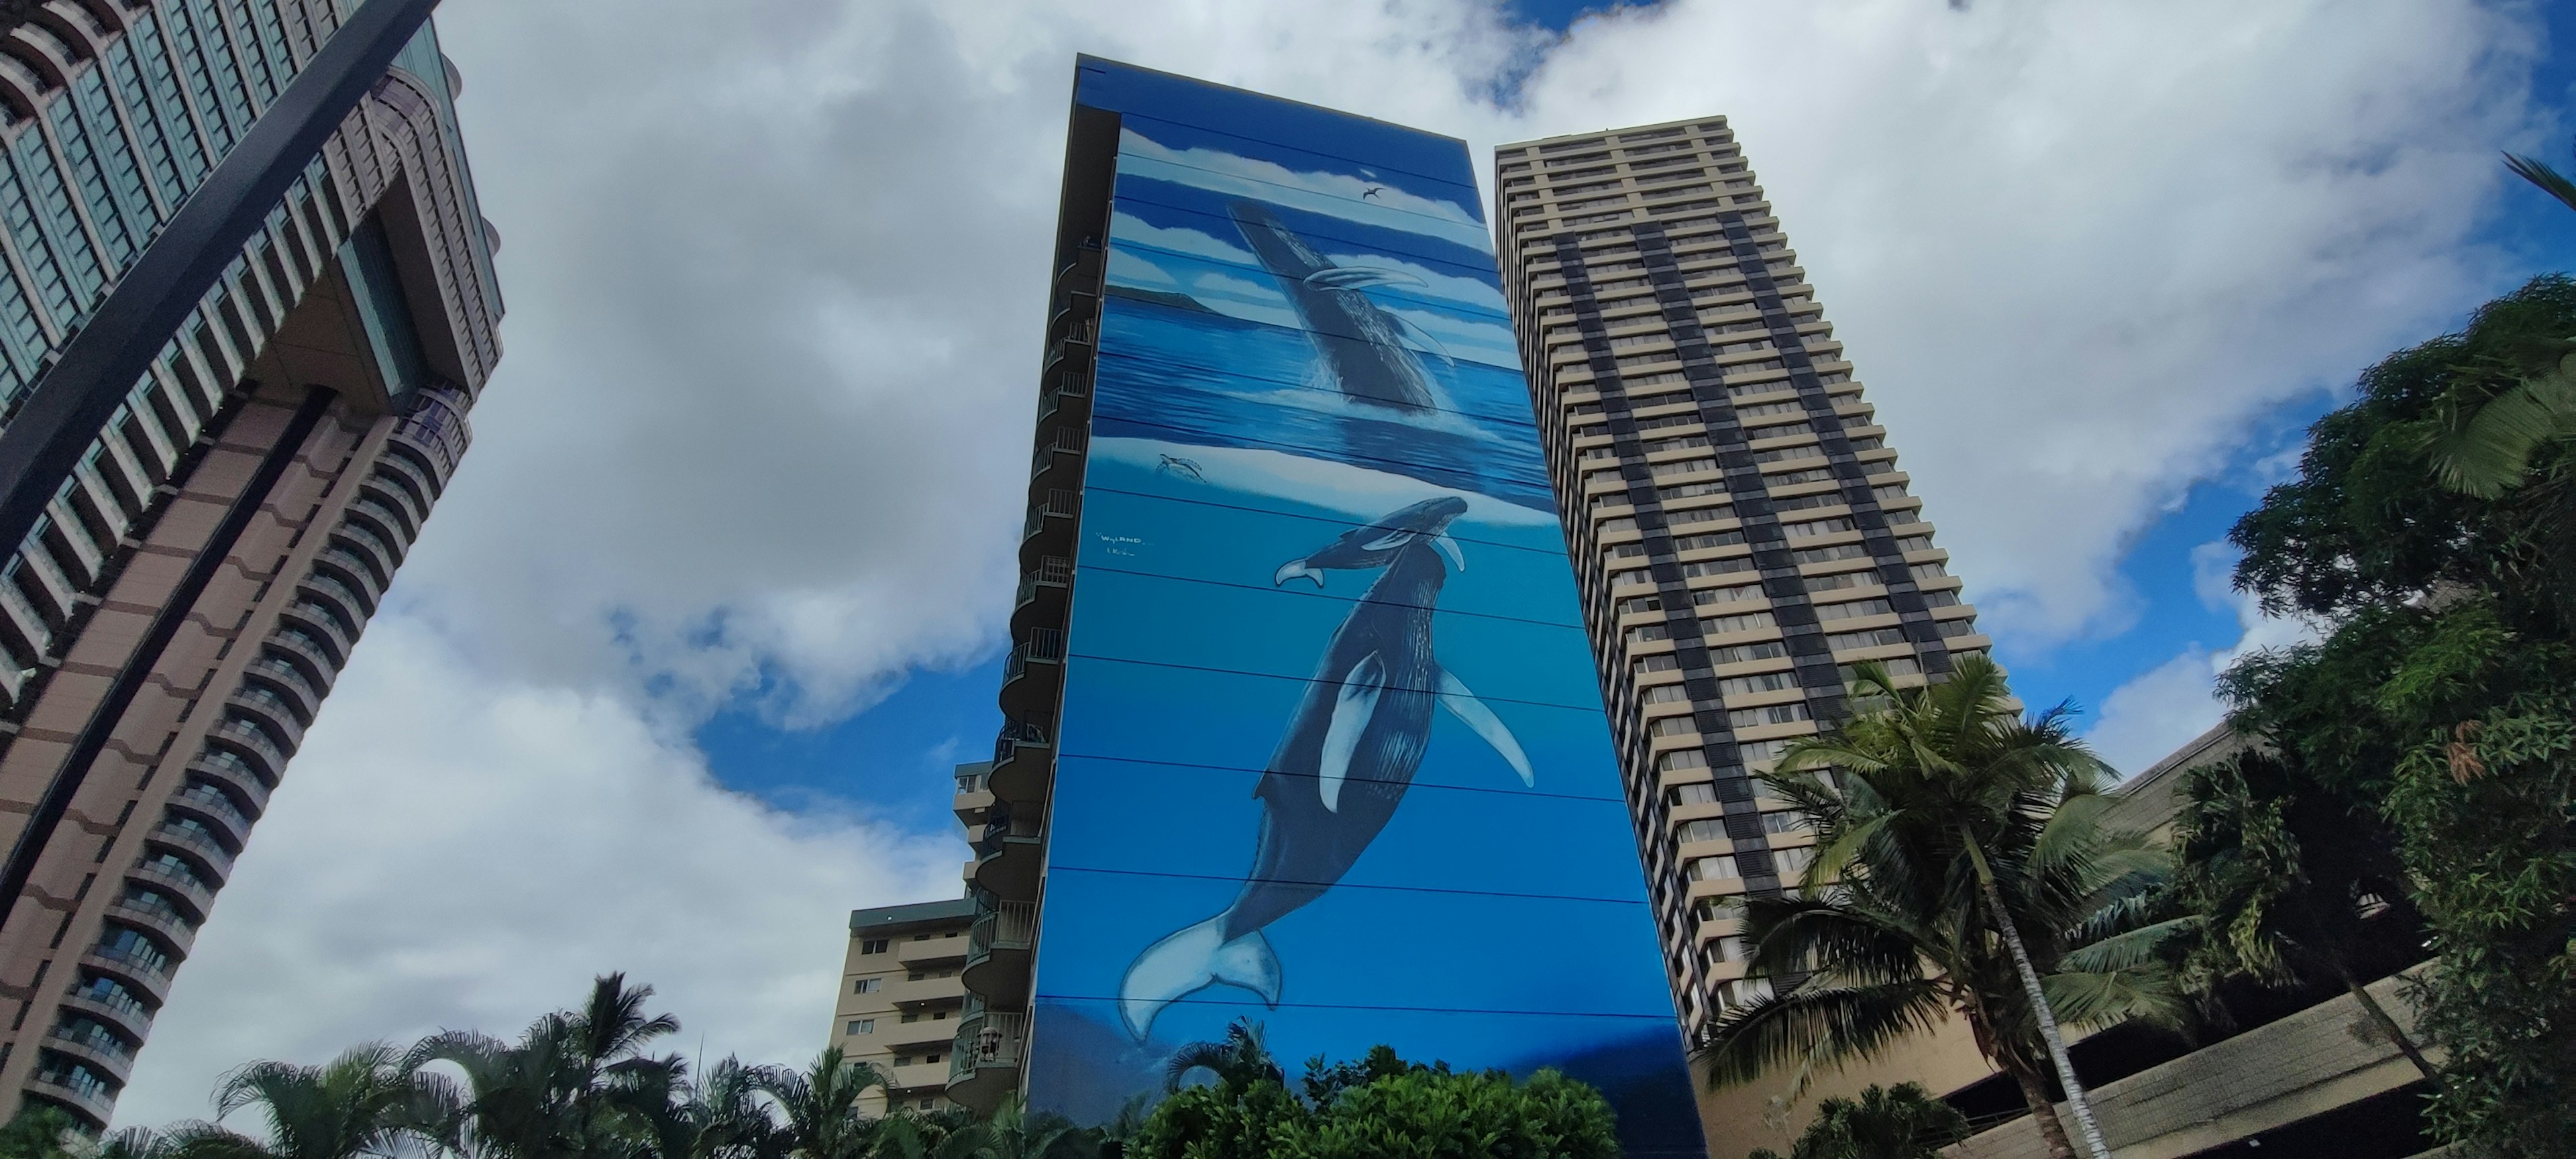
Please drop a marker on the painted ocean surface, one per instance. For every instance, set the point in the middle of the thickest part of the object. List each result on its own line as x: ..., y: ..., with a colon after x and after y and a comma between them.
x: 1191, y: 376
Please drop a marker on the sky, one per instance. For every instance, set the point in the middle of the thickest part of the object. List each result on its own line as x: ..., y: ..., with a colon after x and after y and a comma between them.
x: 676, y: 673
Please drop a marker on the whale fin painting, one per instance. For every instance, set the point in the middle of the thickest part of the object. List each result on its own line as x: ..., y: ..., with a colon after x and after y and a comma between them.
x: 1341, y: 767
x: 1329, y: 750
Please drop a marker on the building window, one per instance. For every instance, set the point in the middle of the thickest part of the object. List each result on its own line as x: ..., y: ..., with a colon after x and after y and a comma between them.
x: 873, y: 946
x: 911, y: 1016
x: 867, y: 985
x: 863, y: 1026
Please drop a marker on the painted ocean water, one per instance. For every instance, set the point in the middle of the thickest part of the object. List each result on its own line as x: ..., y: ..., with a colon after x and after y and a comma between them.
x: 1210, y: 379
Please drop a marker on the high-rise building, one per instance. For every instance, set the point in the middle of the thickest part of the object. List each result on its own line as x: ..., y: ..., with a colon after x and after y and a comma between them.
x: 1740, y: 531
x: 291, y: 403
x: 1302, y: 725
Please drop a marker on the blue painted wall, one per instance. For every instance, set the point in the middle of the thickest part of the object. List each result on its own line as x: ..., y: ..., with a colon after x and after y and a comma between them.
x: 1332, y: 754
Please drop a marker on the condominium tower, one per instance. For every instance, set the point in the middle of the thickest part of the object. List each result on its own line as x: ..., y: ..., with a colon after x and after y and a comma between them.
x: 1302, y: 726
x: 246, y: 301
x: 1740, y: 532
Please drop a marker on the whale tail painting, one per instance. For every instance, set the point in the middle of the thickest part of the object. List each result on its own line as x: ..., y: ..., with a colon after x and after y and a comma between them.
x: 1342, y: 765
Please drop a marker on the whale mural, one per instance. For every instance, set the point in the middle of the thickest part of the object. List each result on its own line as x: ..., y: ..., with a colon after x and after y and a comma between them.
x: 1330, y: 753
x: 1344, y: 762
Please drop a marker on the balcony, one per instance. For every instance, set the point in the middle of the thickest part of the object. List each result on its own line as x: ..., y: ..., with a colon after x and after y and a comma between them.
x: 997, y: 953
x: 311, y: 663
x: 233, y: 773
x: 270, y: 710
x: 973, y: 798
x: 1068, y: 355
x: 322, y: 628
x: 1022, y: 757
x: 342, y: 563
x: 90, y: 1101
x: 187, y: 889
x: 985, y: 1065
x: 923, y: 1077
x: 1070, y: 397
x: 925, y: 1034
x: 1041, y: 598
x: 408, y: 473
x: 1050, y: 526
x: 928, y: 952
x: 1058, y: 460
x: 104, y: 1052
x: 320, y: 587
x: 435, y: 432
x: 215, y: 811
x: 160, y: 920
x: 1031, y: 673
x: 288, y: 682
x: 194, y: 845
x: 929, y: 990
x: 139, y: 974
x: 129, y: 1016
x: 1010, y: 853
x: 397, y: 504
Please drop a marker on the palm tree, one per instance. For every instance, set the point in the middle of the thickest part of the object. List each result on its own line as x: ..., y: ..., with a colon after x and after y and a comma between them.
x: 1901, y: 1123
x: 363, y: 1103
x: 1011, y: 1132
x: 1962, y: 855
x: 1240, y: 1059
x: 822, y: 1104
x: 577, y: 1085
x: 2283, y: 872
x: 720, y: 1117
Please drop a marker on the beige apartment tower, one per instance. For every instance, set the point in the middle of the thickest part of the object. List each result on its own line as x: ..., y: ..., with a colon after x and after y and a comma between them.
x: 1740, y: 531
x: 901, y: 997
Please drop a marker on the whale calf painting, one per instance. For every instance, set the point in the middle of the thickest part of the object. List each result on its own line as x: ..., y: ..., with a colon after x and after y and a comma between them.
x: 1326, y: 748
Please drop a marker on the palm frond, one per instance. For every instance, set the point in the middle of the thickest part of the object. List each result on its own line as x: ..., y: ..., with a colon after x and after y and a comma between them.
x: 1819, y: 1026
x: 2146, y: 993
x: 2538, y: 172
x: 2486, y: 452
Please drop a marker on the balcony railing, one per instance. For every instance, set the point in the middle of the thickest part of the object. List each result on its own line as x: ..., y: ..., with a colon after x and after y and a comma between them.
x: 1016, y: 735
x: 1044, y: 646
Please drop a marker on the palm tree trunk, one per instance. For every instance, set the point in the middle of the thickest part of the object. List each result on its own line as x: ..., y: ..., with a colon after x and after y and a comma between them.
x: 2039, y: 1008
x: 2043, y: 1111
x: 2387, y: 1025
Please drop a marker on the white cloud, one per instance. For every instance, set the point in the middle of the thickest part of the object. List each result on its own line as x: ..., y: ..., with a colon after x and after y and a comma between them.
x: 778, y: 272
x: 2163, y: 708
x: 451, y: 852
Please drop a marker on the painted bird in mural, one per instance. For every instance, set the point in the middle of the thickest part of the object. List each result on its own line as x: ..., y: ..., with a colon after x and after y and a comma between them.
x: 1343, y: 764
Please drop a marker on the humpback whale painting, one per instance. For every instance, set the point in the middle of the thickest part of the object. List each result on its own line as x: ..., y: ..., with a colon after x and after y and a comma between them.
x: 1330, y: 751
x: 1343, y: 764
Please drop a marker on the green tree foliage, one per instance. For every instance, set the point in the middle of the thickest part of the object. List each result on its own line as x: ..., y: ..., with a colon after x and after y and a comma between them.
x: 1381, y: 1106
x: 2293, y: 879
x: 39, y: 1131
x: 1963, y: 866
x: 1901, y: 1123
x: 2434, y: 543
